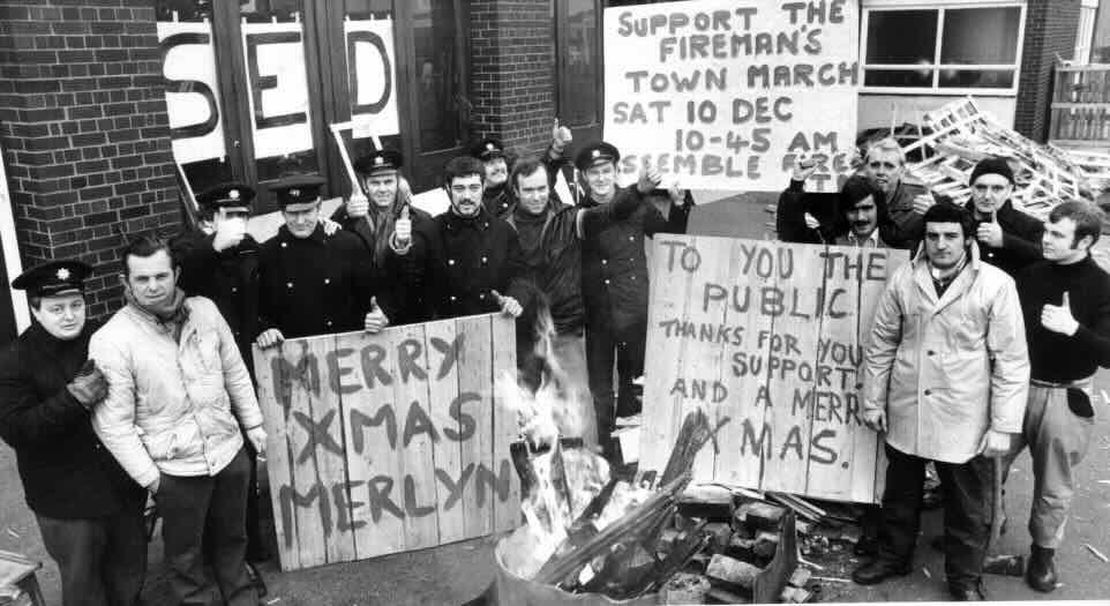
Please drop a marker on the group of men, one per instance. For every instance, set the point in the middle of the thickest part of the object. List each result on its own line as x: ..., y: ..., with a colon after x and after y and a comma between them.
x: 983, y: 344
x: 160, y: 400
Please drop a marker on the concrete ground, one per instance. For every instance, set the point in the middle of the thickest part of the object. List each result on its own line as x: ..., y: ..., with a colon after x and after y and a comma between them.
x: 454, y: 574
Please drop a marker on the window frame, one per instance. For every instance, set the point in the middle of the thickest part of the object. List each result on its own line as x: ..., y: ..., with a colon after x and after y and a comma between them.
x: 563, y: 90
x: 936, y: 66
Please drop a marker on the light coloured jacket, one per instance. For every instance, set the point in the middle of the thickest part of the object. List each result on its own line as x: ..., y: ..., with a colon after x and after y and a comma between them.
x: 947, y: 370
x: 172, y: 406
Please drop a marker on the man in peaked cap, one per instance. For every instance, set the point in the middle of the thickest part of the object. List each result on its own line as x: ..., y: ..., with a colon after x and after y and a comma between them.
x: 89, y: 512
x: 312, y: 283
x: 384, y: 221
x: 614, y: 276
x: 219, y: 260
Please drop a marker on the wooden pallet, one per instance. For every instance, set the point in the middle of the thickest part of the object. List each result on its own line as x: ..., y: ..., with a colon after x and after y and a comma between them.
x: 959, y: 135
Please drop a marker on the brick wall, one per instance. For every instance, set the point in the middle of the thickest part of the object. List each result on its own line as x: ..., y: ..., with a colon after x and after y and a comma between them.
x: 512, y: 72
x: 1050, y: 30
x: 84, y: 130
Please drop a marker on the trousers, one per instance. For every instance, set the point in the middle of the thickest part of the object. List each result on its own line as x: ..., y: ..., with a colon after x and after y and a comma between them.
x: 102, y: 561
x: 1057, y: 429
x: 604, y: 345
x: 968, y: 500
x: 204, y: 522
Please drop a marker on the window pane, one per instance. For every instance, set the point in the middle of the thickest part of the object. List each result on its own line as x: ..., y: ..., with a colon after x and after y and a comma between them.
x: 980, y: 36
x: 357, y: 10
x: 578, y: 80
x: 899, y: 77
x: 966, y: 78
x: 438, y: 74
x: 901, y: 37
x: 277, y: 80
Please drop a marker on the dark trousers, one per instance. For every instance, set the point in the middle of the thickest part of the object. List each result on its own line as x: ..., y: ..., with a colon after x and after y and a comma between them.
x: 604, y: 345
x: 204, y: 523
x: 102, y: 561
x: 968, y: 497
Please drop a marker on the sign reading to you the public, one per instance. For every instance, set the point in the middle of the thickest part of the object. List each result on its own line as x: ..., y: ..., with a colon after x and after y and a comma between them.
x: 388, y: 442
x: 727, y: 94
x: 766, y: 338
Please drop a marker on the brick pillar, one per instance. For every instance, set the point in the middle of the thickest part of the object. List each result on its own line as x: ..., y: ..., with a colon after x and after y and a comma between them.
x: 512, y: 77
x: 1050, y: 30
x: 85, y: 133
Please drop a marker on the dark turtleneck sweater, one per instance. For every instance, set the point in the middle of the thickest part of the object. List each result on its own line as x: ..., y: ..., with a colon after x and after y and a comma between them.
x: 1060, y: 358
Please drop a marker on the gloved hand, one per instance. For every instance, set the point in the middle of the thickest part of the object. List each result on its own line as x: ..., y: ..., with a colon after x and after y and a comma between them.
x: 88, y: 386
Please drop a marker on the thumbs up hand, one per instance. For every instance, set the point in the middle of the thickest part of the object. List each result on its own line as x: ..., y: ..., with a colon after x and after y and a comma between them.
x: 560, y: 137
x: 402, y: 228
x: 509, y: 305
x: 990, y: 233
x: 1059, y: 319
x: 358, y: 205
x: 375, y: 319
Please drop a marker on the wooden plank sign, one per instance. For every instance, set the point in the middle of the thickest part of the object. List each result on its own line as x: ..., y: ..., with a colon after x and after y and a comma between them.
x: 764, y: 337
x: 389, y: 442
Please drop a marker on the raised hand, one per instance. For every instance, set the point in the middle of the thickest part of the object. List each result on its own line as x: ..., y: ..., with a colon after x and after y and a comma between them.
x: 1059, y: 319
x: 375, y: 319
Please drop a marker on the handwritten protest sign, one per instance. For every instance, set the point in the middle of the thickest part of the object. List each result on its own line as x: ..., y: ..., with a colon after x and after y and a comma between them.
x: 388, y: 442
x: 726, y: 94
x: 765, y: 337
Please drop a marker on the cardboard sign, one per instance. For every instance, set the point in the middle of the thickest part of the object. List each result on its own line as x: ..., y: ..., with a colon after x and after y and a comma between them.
x: 389, y: 442
x: 278, y: 86
x: 726, y: 94
x: 766, y: 338
x: 192, y: 91
x: 372, y: 74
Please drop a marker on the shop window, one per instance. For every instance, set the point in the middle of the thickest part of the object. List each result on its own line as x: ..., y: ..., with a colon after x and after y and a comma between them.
x: 953, y: 49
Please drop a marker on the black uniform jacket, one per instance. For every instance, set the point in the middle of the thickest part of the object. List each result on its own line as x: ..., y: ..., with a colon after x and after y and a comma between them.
x: 1021, y: 239
x: 614, y: 265
x: 387, y: 276
x: 66, y: 472
x: 316, y: 285
x: 455, y: 262
x: 229, y: 278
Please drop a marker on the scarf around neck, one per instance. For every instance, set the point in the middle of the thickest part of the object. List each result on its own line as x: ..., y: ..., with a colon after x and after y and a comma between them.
x: 172, y: 311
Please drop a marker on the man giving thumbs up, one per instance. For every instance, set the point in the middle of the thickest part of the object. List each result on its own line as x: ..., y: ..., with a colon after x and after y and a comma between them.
x: 1066, y: 302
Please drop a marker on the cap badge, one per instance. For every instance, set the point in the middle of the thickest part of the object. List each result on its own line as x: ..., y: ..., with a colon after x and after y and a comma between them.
x: 379, y: 160
x: 62, y: 274
x: 233, y: 194
x: 489, y: 146
x: 596, y: 153
x: 294, y: 192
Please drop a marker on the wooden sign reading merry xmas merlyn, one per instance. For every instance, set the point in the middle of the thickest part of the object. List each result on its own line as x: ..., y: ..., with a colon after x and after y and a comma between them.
x: 766, y: 338
x: 388, y: 442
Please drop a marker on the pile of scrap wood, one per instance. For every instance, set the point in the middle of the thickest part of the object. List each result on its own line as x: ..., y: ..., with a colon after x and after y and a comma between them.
x: 654, y: 537
x: 955, y: 137
x: 1096, y: 165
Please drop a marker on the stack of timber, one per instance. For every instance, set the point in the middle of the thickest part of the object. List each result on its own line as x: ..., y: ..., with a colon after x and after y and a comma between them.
x: 958, y: 135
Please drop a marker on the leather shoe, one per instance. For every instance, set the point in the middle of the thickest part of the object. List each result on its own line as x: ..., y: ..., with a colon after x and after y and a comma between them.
x: 878, y: 571
x: 968, y: 593
x: 1041, y: 573
x: 866, y: 546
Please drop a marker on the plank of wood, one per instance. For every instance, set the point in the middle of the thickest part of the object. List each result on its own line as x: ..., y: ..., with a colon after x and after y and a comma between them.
x: 798, y: 330
x: 741, y: 462
x: 328, y: 438
x: 372, y: 437
x: 418, y: 434
x: 274, y: 379
x: 505, y: 426
x: 442, y: 393
x: 475, y: 377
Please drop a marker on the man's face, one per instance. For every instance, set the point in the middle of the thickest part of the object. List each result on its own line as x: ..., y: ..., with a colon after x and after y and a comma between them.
x: 1058, y: 242
x: 231, y: 217
x: 62, y: 315
x: 151, y: 280
x: 301, y: 219
x: 533, y: 192
x: 885, y: 169
x: 863, y: 217
x: 602, y: 179
x: 382, y: 188
x: 466, y: 195
x: 497, y: 172
x: 944, y: 244
x: 989, y: 192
